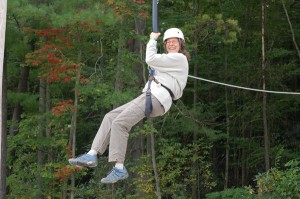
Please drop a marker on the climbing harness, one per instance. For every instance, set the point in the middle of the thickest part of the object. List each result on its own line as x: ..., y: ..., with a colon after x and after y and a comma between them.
x: 148, y: 106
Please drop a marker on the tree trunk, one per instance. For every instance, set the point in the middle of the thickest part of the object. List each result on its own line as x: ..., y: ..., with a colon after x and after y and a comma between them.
x: 265, y: 121
x: 22, y: 87
x: 243, y: 168
x: 48, y: 130
x: 157, y: 181
x: 291, y: 28
x: 41, y: 135
x: 3, y: 105
x: 74, y: 119
x: 119, y: 71
x: 195, y: 186
x: 227, y: 129
x: 137, y: 146
x: 139, y: 48
x: 195, y: 133
x: 3, y: 138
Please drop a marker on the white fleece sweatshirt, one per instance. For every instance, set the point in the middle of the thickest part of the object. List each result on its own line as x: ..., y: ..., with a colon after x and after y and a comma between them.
x: 171, y: 70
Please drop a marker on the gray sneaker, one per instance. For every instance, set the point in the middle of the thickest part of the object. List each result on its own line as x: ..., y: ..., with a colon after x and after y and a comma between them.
x: 115, y: 175
x: 85, y: 160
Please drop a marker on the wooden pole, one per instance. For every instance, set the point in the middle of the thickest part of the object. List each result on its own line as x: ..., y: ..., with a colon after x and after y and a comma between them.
x: 3, y: 8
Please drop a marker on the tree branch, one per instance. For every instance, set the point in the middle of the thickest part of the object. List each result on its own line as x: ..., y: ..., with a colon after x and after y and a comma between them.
x: 291, y: 27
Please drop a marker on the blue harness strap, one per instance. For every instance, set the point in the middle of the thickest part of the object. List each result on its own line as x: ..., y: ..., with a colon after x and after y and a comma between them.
x: 148, y: 107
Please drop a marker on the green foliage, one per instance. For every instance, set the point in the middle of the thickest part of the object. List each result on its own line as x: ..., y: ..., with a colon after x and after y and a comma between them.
x: 277, y: 183
x: 278, y: 53
x: 214, y: 29
x: 29, y: 178
x: 70, y: 13
x: 27, y: 14
x: 26, y: 100
x: 236, y: 193
x: 175, y: 166
x: 144, y: 183
x: 180, y: 166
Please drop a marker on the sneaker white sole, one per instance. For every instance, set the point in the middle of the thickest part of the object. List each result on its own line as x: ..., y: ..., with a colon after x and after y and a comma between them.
x: 84, y: 164
x: 111, y: 182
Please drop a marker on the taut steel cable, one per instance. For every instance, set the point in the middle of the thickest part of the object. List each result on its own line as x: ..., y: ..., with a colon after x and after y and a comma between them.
x: 245, y: 88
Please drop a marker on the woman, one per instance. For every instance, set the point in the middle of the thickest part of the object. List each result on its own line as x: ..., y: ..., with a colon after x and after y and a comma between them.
x: 169, y: 72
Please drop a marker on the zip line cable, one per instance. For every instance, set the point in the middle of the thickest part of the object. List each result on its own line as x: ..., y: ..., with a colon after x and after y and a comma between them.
x: 245, y: 88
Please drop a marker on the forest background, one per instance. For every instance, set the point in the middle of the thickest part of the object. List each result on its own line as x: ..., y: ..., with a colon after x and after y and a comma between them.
x: 70, y: 62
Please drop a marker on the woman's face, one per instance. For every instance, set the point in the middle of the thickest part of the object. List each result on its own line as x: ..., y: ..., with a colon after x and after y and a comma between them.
x: 172, y: 45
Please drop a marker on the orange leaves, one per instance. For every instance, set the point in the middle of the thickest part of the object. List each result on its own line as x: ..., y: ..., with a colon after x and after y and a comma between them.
x: 84, y: 80
x: 49, y: 32
x: 59, y: 36
x: 145, y: 15
x: 48, y: 54
x: 140, y: 2
x: 119, y: 8
x: 110, y: 2
x: 65, y: 172
x: 69, y: 150
x: 53, y: 59
x: 87, y: 26
x: 64, y: 73
x: 55, y: 67
x: 62, y: 107
x: 122, y: 10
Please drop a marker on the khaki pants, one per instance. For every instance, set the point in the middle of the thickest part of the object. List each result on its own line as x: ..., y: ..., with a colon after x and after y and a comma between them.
x: 116, y: 124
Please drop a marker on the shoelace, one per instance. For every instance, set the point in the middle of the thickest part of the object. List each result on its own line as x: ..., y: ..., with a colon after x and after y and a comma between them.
x: 113, y: 172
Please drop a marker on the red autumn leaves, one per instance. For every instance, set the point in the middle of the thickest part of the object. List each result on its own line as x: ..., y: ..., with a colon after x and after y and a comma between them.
x: 54, y: 65
x: 62, y: 107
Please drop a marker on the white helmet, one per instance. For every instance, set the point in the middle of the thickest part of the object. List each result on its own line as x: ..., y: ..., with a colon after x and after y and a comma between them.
x: 173, y: 32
